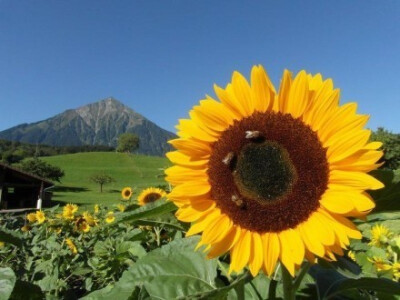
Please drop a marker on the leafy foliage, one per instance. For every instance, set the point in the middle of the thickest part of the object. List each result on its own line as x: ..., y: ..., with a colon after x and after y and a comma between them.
x: 391, y: 147
x: 42, y: 169
x: 128, y: 142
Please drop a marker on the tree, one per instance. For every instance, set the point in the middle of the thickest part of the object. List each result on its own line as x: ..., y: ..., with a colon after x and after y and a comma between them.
x: 391, y: 147
x: 127, y: 142
x: 42, y: 169
x: 101, y: 179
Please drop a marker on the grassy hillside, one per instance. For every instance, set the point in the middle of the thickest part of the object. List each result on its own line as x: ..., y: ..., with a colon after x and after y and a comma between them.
x: 136, y: 171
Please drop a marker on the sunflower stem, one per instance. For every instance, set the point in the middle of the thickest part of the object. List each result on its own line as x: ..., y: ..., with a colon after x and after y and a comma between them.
x: 289, y: 292
x: 304, y: 269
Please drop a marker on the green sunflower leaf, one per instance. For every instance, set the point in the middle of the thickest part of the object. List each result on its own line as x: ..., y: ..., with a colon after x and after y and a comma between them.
x: 150, y: 210
x: 11, y: 237
x: 170, y: 272
x: 7, y: 282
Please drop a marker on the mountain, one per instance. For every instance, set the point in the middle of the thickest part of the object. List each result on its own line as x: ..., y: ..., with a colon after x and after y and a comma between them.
x: 98, y: 123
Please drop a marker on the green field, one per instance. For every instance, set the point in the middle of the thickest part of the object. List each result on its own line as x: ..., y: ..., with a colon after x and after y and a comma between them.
x: 136, y: 171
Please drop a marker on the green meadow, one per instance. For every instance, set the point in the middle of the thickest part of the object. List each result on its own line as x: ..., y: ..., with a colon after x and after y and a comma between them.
x: 136, y: 171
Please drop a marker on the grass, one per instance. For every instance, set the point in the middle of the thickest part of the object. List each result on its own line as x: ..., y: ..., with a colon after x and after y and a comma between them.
x: 136, y: 171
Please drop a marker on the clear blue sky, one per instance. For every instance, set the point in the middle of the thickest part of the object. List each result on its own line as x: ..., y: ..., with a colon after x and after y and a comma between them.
x: 161, y: 57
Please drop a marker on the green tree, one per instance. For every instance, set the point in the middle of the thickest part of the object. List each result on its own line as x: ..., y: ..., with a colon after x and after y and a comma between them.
x: 391, y: 147
x: 42, y: 169
x: 101, y: 179
x: 127, y: 142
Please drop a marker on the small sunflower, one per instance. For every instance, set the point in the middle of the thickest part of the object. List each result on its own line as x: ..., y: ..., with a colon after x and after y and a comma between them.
x: 380, y: 235
x: 121, y: 207
x: 96, y: 208
x: 110, y: 217
x: 92, y: 221
x: 150, y: 195
x: 69, y: 211
x: 31, y: 217
x: 40, y: 216
x: 2, y: 244
x: 26, y: 228
x: 83, y: 227
x: 271, y: 176
x: 126, y: 193
x: 71, y: 246
x: 380, y: 264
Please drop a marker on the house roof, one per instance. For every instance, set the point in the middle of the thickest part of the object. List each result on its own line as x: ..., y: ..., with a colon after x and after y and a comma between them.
x: 25, y: 175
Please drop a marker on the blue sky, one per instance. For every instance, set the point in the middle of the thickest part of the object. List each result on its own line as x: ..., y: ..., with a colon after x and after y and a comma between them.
x: 161, y: 57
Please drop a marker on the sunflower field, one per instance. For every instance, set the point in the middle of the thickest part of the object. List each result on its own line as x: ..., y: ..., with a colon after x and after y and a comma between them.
x: 275, y: 194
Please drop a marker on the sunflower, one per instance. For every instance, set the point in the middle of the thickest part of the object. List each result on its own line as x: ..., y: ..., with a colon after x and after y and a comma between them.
x: 272, y: 175
x: 126, y: 193
x: 31, y: 217
x: 380, y: 235
x: 26, y: 228
x: 121, y: 207
x: 110, y: 217
x: 92, y: 221
x: 396, y: 271
x: 96, y: 208
x: 380, y: 264
x: 150, y: 194
x: 69, y: 211
x: 40, y: 216
x: 71, y: 246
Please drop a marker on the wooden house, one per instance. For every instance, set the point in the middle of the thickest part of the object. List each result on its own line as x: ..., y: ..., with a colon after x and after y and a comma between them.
x: 19, y: 189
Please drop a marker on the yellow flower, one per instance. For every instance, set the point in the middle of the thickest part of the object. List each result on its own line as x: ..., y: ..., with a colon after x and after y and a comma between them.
x: 121, y: 207
x: 351, y: 255
x: 25, y: 228
x: 271, y: 176
x: 380, y: 264
x: 40, y: 216
x: 380, y: 235
x: 83, y: 226
x: 69, y: 211
x: 150, y: 195
x: 89, y: 218
x: 31, y: 217
x: 396, y: 270
x: 71, y: 246
x: 126, y: 193
x: 96, y: 208
x: 2, y: 244
x: 110, y: 217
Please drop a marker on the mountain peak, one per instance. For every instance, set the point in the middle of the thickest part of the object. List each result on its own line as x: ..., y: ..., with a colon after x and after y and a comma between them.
x: 99, y: 123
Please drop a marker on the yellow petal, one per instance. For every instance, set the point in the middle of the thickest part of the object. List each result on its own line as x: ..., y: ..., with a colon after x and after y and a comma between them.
x: 298, y: 97
x: 240, y: 253
x: 226, y: 243
x: 242, y: 93
x: 202, y: 223
x: 309, y: 237
x: 190, y: 189
x: 192, y: 148
x: 183, y: 160
x: 230, y: 102
x: 217, y: 230
x: 263, y: 91
x: 271, y: 251
x: 346, y: 145
x: 284, y: 90
x: 256, y: 255
x: 292, y: 249
x: 178, y: 175
x: 355, y: 180
x: 190, y: 129
x: 212, y: 115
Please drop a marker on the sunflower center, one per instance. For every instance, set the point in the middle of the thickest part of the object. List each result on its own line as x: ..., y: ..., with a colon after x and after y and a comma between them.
x: 264, y: 172
x: 268, y: 172
x: 151, y: 197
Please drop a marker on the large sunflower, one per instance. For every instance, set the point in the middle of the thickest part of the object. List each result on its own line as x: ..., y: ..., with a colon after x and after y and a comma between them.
x: 273, y: 176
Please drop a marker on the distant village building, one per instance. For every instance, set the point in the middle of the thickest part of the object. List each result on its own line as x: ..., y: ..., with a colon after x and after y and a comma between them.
x: 19, y: 189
